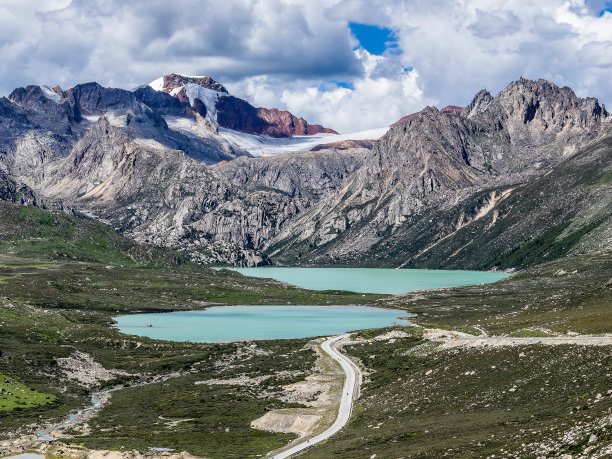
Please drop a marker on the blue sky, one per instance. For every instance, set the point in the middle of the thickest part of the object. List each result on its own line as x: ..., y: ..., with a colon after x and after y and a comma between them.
x: 347, y: 64
x: 375, y: 39
x: 599, y: 6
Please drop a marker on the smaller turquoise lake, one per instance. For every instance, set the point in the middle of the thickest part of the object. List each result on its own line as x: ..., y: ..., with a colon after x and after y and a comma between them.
x: 240, y: 323
x: 373, y: 280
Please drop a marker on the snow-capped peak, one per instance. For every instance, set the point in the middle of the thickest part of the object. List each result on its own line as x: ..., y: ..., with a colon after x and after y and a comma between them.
x: 172, y: 81
x: 157, y: 84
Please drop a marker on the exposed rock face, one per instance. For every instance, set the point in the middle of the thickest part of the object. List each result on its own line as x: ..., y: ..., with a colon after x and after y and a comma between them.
x: 449, y: 109
x: 435, y: 161
x: 306, y: 175
x: 158, y: 195
x: 10, y: 191
x: 110, y: 154
x: 345, y: 145
x: 174, y: 81
x: 238, y: 114
x: 452, y: 110
x: 57, y: 119
x: 163, y: 104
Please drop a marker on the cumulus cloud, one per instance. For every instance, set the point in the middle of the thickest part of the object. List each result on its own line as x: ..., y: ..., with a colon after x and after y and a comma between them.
x: 288, y: 53
x: 376, y: 99
x: 495, y: 23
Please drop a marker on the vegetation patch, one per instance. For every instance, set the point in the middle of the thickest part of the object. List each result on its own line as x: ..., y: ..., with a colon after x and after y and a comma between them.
x: 17, y: 396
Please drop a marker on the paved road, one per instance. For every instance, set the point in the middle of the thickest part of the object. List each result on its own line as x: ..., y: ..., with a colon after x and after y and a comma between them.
x: 346, y: 403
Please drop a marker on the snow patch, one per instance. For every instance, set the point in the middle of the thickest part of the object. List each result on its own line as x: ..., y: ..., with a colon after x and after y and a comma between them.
x: 179, y: 123
x: 116, y: 120
x: 188, y: 127
x: 157, y: 84
x: 264, y: 145
x: 50, y: 93
x: 91, y: 118
x: 208, y: 97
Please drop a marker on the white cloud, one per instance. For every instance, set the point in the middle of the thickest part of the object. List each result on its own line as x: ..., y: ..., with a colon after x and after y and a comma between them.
x: 285, y: 53
x: 374, y: 101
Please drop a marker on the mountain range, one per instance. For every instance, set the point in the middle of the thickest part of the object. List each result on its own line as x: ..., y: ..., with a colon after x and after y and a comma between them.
x: 504, y: 182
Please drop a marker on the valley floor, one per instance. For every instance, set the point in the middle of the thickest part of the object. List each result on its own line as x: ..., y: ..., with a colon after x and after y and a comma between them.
x: 429, y: 390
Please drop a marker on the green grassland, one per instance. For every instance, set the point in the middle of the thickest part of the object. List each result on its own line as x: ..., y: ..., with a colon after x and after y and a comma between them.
x: 573, y: 294
x: 17, y: 396
x: 63, y: 279
x: 207, y: 420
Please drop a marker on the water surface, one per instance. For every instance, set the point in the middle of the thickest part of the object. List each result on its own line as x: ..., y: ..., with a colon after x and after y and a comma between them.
x: 372, y: 280
x: 238, y: 323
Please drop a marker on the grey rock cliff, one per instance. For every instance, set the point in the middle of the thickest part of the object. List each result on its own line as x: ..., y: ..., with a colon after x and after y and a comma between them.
x: 306, y: 175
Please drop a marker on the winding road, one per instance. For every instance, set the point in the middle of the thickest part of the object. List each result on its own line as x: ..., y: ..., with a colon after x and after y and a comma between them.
x: 346, y: 403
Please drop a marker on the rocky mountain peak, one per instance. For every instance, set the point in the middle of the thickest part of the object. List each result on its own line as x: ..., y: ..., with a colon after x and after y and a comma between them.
x: 479, y: 104
x: 542, y: 99
x: 173, y: 81
x: 448, y: 110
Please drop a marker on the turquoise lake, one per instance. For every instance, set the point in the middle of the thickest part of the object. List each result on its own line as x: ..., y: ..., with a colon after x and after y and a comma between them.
x: 238, y: 323
x: 372, y: 280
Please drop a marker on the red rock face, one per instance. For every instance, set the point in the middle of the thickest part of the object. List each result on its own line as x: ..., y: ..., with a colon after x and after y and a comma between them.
x: 452, y: 110
x: 405, y: 119
x: 238, y: 114
x: 345, y: 145
x: 449, y: 110
x: 284, y: 124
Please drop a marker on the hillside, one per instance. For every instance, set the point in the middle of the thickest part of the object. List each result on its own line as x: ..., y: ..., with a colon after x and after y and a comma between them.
x: 29, y: 232
x: 566, y: 210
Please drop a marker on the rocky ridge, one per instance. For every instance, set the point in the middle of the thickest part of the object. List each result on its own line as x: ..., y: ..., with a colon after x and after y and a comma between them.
x: 433, y: 163
x: 210, y: 98
x: 111, y: 155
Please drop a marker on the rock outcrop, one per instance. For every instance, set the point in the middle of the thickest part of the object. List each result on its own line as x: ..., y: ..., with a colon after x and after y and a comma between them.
x: 10, y: 191
x: 449, y: 109
x: 307, y: 175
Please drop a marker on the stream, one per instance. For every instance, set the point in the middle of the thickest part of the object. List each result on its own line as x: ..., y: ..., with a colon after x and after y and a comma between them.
x: 97, y: 400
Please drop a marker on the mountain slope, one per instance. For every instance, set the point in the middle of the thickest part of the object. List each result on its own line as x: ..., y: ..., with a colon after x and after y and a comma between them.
x: 300, y: 175
x: 437, y: 171
x: 10, y: 191
x: 153, y: 194
x: 565, y: 211
x: 28, y: 232
x: 409, y: 201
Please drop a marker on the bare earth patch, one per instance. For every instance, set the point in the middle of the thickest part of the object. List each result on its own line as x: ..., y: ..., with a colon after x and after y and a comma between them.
x: 83, y: 369
x: 320, y: 392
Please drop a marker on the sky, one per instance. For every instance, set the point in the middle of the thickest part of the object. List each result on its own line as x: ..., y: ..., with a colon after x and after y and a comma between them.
x: 347, y: 64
